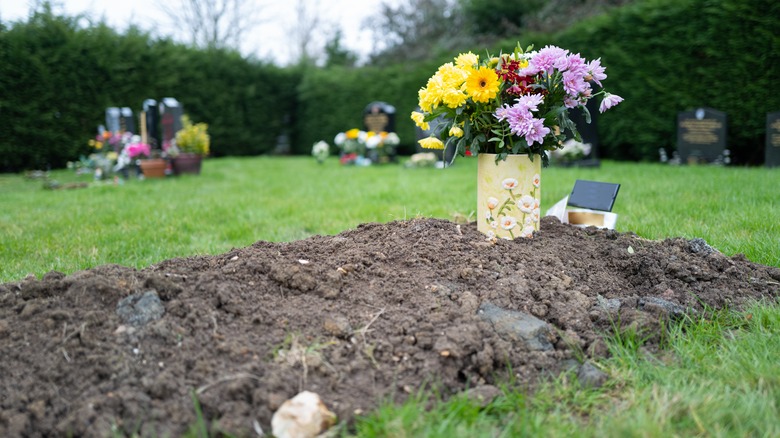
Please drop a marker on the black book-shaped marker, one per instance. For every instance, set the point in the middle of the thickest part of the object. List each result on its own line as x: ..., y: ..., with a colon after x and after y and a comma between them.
x: 593, y: 195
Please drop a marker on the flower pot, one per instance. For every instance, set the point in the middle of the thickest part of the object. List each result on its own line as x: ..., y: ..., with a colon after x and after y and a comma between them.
x: 508, y: 195
x: 186, y: 163
x: 153, y: 168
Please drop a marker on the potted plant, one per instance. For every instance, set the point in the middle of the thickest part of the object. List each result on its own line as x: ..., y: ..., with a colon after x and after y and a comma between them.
x: 189, y: 147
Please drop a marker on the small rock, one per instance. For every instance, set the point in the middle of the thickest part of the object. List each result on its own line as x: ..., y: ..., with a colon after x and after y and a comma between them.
x: 608, y: 305
x: 483, y: 395
x: 337, y: 325
x: 661, y: 307
x: 303, y: 416
x: 591, y: 377
x: 140, y: 309
x: 517, y: 326
x: 700, y: 246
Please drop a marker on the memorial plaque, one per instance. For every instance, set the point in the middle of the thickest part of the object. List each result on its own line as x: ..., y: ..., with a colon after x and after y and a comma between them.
x: 772, y: 139
x: 170, y: 118
x: 379, y: 116
x: 593, y: 195
x: 152, y: 122
x: 701, y: 135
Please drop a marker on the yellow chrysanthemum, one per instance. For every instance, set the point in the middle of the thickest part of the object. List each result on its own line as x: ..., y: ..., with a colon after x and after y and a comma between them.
x: 431, y: 143
x: 353, y: 133
x: 455, y: 131
x: 482, y: 84
x: 467, y: 60
x: 454, y: 97
x: 419, y: 120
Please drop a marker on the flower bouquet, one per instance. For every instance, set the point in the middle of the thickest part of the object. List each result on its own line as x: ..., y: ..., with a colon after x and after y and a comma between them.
x: 515, y: 103
x: 380, y: 147
x: 353, y: 146
x: 320, y: 151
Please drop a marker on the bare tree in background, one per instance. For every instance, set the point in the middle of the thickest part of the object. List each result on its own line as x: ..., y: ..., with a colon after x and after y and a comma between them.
x: 307, y: 23
x: 214, y: 23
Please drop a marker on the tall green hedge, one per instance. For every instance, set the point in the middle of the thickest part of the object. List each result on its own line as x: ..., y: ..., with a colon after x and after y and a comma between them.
x: 663, y: 56
x: 667, y: 56
x: 58, y: 77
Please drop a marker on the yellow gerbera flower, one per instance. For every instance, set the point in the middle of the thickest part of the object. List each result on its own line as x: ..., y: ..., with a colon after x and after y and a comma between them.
x: 482, y: 84
x: 431, y: 143
x: 467, y: 60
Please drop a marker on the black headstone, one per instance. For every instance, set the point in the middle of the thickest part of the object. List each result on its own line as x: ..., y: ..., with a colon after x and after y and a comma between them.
x: 379, y: 116
x: 112, y: 119
x: 593, y: 195
x: 152, y: 115
x: 588, y: 131
x: 170, y: 118
x: 772, y: 139
x: 126, y: 120
x: 701, y: 135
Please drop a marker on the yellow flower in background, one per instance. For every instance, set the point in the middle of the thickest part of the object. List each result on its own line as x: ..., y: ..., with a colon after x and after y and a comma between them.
x: 455, y: 131
x: 353, y: 133
x: 467, y: 60
x: 419, y: 120
x: 482, y: 84
x: 431, y: 143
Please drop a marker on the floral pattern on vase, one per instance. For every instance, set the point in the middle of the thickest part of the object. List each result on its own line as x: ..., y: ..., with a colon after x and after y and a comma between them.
x: 508, y: 196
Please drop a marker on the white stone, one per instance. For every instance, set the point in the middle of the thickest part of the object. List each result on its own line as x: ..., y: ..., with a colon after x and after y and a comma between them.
x: 303, y: 416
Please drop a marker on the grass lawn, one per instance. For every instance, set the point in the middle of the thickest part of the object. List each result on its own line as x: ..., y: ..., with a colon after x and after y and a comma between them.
x: 720, y: 377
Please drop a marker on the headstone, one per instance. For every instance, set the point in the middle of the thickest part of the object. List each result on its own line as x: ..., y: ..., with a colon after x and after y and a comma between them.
x: 170, y: 118
x: 126, y: 120
x: 152, y: 118
x: 701, y: 135
x: 112, y: 119
x: 772, y: 139
x: 588, y: 131
x: 379, y: 116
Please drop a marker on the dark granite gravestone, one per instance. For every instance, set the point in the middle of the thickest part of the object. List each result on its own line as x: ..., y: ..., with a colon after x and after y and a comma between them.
x: 152, y: 119
x: 112, y: 119
x: 126, y: 120
x: 701, y: 135
x: 170, y: 118
x: 588, y: 131
x: 772, y: 139
x: 379, y: 116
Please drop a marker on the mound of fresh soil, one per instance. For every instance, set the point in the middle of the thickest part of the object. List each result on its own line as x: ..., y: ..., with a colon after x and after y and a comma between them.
x: 360, y: 317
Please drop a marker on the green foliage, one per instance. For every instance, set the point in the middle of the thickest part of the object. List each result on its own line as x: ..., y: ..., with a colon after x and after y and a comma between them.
x: 667, y: 56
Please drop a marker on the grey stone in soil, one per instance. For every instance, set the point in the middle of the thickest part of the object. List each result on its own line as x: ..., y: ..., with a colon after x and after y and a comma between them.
x: 661, y: 307
x: 140, y: 309
x: 483, y: 395
x: 517, y: 326
x: 610, y: 306
x: 591, y: 377
x: 700, y: 246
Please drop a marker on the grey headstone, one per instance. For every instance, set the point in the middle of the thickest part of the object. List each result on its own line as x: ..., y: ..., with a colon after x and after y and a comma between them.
x: 170, y: 118
x: 517, y: 326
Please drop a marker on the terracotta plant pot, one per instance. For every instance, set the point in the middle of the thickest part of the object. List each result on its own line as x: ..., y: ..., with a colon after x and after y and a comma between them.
x: 187, y: 163
x: 153, y: 168
x: 509, y: 195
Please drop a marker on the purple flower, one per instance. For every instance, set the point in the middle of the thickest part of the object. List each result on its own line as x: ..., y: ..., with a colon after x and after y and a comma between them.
x: 547, y: 58
x: 535, y: 131
x: 573, y: 83
x: 575, y: 64
x: 609, y: 101
x: 596, y: 71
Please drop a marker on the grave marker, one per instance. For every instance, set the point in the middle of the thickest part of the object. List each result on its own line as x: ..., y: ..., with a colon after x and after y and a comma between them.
x: 379, y: 116
x: 112, y: 119
x: 152, y: 118
x: 772, y: 139
x: 701, y: 135
x: 170, y: 118
x: 126, y: 120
